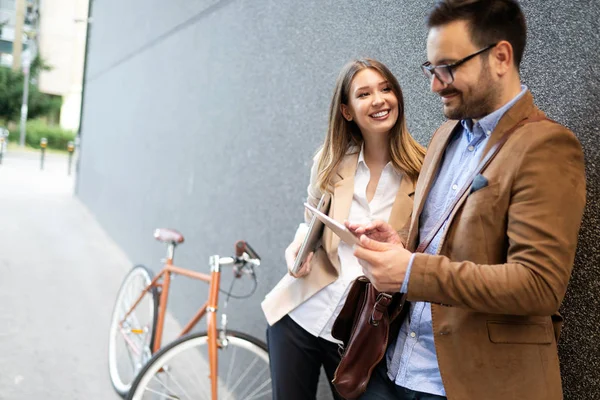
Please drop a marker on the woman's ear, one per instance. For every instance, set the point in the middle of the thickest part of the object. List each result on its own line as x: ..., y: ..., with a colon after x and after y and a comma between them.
x: 346, y: 112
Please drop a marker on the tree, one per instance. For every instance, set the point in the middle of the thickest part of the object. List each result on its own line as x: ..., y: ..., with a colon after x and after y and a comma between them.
x: 11, y: 93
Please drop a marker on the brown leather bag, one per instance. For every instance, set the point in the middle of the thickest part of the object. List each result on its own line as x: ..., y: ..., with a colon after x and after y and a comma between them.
x: 364, y: 326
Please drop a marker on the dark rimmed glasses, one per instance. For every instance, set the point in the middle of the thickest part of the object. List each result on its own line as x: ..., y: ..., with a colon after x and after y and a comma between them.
x: 444, y: 72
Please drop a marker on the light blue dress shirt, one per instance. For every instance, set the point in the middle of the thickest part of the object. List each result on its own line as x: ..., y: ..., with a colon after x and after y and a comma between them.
x: 412, y: 360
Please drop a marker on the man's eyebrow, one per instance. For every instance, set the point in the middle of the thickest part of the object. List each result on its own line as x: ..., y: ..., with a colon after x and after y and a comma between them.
x: 444, y: 61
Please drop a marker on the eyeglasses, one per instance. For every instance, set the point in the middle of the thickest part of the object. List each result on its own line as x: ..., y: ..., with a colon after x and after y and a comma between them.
x: 444, y: 72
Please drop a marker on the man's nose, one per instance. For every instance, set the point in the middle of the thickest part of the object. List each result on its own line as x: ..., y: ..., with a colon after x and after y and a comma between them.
x: 436, y: 85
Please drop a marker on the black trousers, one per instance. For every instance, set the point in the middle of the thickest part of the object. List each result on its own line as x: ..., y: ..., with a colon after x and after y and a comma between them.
x: 296, y: 358
x: 380, y: 387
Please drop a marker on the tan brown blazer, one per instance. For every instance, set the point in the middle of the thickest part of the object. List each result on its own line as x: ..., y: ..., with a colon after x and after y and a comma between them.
x: 504, y: 262
x: 290, y: 292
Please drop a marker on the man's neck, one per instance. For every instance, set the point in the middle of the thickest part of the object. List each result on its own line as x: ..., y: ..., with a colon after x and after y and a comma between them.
x: 509, y: 93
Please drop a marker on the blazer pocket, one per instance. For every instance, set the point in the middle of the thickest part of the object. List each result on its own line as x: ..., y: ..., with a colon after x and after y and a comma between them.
x: 519, y: 333
x: 484, y: 194
x: 480, y: 202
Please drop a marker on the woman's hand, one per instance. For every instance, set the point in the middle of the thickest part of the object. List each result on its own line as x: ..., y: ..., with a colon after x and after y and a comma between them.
x: 290, y: 258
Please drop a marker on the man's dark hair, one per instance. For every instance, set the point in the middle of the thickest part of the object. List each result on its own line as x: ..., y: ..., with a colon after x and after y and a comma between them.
x: 489, y: 21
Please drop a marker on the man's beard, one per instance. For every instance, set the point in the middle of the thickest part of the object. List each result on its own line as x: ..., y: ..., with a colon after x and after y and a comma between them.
x: 479, y: 102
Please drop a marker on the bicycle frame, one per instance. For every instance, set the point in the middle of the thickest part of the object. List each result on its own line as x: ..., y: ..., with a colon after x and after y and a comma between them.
x: 211, y: 306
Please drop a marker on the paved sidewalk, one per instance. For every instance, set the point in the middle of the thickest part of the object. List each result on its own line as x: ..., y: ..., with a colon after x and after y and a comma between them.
x: 59, y: 274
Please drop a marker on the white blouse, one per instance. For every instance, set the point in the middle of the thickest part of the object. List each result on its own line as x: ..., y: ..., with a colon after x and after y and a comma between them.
x: 317, y: 314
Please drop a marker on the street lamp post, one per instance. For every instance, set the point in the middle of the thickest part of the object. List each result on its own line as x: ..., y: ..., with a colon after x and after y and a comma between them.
x: 24, y: 105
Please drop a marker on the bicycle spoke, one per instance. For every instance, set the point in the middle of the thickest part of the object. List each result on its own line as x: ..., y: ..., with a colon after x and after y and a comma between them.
x: 237, y: 383
x: 249, y: 386
x: 201, y: 381
x: 164, y: 385
x: 231, y: 364
x: 259, y: 395
x: 168, y: 397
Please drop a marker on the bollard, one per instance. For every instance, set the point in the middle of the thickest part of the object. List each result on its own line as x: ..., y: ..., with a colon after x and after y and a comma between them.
x: 43, y: 144
x: 71, y: 149
x: 3, y: 142
x: 1, y: 148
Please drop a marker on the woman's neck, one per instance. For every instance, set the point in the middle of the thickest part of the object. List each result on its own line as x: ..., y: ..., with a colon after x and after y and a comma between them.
x: 376, y: 150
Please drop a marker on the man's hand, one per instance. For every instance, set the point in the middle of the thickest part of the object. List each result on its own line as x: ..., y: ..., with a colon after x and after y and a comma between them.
x: 383, y: 263
x: 290, y: 257
x: 380, y: 231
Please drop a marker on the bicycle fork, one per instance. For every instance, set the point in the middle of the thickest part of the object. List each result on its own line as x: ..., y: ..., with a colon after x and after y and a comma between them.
x: 213, y: 301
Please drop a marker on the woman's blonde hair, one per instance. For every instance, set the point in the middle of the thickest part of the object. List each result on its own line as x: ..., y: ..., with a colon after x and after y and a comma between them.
x: 406, y: 153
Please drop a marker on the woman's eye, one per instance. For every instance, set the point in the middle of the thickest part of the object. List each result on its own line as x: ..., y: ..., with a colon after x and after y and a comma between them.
x: 365, y: 94
x: 387, y: 89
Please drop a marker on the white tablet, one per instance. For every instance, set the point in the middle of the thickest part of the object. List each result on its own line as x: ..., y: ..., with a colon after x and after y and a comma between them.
x: 313, y: 237
x: 336, y: 227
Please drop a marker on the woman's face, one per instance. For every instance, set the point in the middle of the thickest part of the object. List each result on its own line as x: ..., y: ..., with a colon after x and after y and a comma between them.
x: 372, y: 104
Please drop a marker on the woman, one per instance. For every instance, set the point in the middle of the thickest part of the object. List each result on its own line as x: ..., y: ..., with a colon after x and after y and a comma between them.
x: 369, y: 164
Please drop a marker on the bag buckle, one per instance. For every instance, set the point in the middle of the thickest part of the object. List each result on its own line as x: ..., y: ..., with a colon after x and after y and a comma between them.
x: 377, y: 312
x: 340, y: 350
x: 382, y: 296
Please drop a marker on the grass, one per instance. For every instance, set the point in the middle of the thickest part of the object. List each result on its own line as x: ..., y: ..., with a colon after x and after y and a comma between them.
x: 12, y: 146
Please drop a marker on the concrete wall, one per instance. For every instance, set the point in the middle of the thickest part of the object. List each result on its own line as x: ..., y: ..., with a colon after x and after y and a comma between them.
x: 62, y: 31
x: 204, y: 116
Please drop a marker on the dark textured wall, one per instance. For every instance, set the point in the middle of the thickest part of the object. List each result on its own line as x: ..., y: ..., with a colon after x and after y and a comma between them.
x: 204, y: 116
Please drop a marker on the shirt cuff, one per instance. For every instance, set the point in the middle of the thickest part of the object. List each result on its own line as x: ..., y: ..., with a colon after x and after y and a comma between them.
x: 404, y: 288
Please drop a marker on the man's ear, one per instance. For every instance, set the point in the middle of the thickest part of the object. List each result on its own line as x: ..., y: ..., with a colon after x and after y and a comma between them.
x: 346, y: 112
x: 503, y: 57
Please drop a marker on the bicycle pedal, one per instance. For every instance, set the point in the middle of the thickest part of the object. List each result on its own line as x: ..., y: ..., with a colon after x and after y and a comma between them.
x: 138, y: 331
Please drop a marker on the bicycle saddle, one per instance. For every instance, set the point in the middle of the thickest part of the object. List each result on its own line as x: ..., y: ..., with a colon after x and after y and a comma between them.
x: 168, y: 236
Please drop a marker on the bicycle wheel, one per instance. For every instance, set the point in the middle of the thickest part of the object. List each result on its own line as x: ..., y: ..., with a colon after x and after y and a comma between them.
x: 180, y: 370
x: 130, y: 345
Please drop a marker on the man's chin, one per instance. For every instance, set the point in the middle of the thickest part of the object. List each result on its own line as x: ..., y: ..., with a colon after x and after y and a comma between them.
x: 452, y: 112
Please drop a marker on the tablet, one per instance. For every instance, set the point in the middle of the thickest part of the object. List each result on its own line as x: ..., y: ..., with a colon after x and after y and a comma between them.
x: 336, y: 227
x: 314, y: 234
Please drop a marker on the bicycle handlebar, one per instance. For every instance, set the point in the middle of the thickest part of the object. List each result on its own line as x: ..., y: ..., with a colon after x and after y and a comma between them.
x: 242, y: 246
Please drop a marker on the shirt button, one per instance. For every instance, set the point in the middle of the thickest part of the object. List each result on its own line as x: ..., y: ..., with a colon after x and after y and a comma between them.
x: 471, y: 148
x: 488, y: 133
x: 454, y: 187
x: 412, y: 334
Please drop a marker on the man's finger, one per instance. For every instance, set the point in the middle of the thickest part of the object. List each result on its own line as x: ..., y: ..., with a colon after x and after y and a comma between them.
x: 355, y: 228
x: 371, y: 244
x: 365, y: 254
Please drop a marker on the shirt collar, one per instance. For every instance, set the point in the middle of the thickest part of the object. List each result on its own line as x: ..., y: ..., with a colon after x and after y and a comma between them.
x: 487, y: 124
x: 361, y: 160
x: 361, y: 155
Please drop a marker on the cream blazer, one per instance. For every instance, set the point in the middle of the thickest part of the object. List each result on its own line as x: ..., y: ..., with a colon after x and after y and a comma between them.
x: 290, y: 292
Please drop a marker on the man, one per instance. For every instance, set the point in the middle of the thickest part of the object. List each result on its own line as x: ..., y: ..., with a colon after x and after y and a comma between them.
x: 485, y: 291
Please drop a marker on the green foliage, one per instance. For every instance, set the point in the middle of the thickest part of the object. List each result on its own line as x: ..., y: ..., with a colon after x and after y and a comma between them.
x: 58, y: 138
x: 11, y: 94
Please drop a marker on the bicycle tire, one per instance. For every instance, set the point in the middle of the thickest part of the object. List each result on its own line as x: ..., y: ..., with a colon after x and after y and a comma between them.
x: 121, y: 380
x: 168, y: 359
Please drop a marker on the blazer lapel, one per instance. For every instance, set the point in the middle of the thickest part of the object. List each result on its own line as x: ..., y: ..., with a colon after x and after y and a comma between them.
x: 343, y: 190
x: 522, y: 109
x: 403, y: 204
x: 435, y: 153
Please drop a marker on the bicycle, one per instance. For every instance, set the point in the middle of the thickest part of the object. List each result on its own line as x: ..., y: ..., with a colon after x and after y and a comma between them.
x: 199, y: 365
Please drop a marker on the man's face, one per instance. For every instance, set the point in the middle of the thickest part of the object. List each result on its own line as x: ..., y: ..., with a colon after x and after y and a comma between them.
x: 474, y: 91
